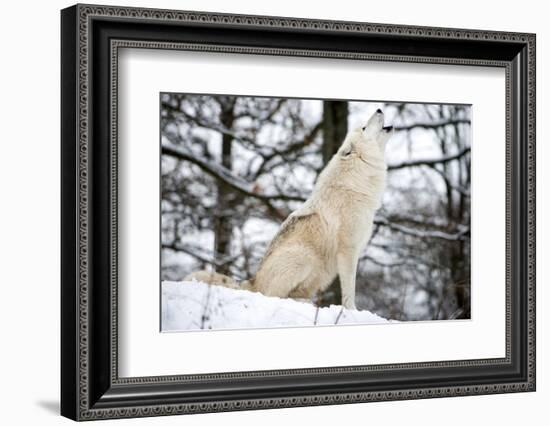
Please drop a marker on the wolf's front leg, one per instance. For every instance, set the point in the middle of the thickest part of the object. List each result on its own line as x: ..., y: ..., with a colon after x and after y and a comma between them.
x: 347, y: 268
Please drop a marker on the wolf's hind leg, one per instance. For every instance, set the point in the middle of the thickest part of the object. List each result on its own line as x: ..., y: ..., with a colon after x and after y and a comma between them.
x: 281, y: 275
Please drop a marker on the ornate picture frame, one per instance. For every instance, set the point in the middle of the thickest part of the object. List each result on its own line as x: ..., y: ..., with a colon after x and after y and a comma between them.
x: 91, y: 37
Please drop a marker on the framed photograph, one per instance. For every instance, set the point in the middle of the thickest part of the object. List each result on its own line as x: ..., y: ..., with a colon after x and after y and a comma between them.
x: 263, y: 212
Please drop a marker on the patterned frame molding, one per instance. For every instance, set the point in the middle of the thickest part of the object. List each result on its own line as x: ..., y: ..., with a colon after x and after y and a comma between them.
x: 87, y: 397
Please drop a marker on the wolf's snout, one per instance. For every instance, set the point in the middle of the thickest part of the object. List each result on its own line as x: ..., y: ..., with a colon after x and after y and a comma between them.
x: 374, y: 124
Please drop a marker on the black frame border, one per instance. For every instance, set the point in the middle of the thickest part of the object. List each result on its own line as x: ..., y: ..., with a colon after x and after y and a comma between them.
x: 91, y: 35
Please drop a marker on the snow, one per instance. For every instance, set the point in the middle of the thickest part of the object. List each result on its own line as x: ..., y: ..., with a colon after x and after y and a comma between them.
x: 193, y: 305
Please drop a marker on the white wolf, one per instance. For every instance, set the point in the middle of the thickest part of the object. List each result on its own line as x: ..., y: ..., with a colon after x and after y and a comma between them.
x: 326, y: 235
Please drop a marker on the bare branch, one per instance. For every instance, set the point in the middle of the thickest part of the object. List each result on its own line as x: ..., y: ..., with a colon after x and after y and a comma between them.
x: 246, y: 141
x: 191, y: 251
x: 458, y: 235
x: 430, y: 162
x: 383, y: 264
x: 460, y: 190
x: 224, y: 175
x: 292, y: 147
x: 432, y: 125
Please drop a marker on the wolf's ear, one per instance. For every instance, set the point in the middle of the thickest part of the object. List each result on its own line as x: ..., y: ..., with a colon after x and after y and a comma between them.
x: 305, y: 210
x: 346, y: 150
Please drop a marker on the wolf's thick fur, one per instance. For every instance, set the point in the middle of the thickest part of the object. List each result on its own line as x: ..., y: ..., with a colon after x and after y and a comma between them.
x: 324, y: 237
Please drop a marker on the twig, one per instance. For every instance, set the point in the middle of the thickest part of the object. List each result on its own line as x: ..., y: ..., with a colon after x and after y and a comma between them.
x: 316, y: 316
x: 204, y: 317
x: 339, y: 315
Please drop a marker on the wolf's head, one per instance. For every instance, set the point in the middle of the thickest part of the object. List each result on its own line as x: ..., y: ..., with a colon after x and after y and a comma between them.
x: 367, y: 143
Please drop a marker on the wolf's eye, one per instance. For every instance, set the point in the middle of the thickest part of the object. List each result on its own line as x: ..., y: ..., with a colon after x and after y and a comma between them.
x: 346, y: 153
x: 363, y: 128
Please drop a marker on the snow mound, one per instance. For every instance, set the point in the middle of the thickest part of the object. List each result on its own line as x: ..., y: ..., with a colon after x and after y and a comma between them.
x: 192, y: 305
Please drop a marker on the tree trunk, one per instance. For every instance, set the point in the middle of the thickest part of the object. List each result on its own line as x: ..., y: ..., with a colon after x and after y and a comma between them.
x: 223, y: 228
x: 460, y: 270
x: 457, y: 253
x: 335, y: 128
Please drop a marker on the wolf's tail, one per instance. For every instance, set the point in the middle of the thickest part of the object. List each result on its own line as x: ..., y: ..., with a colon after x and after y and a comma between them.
x: 215, y: 278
